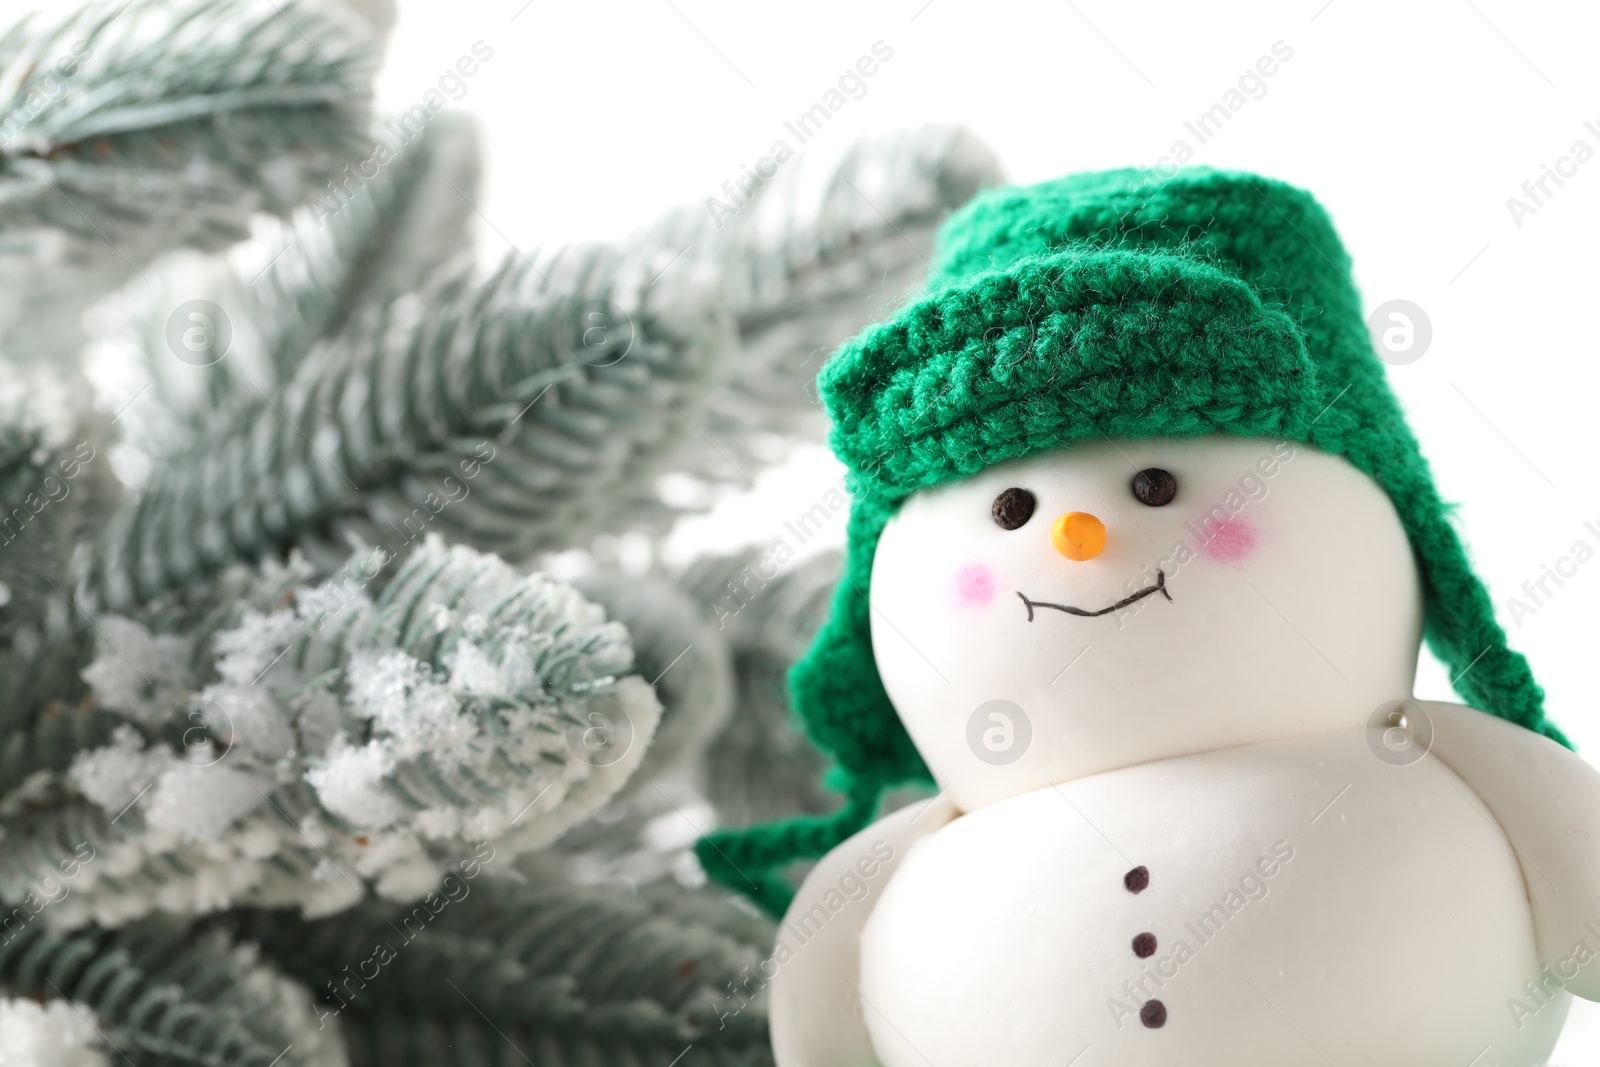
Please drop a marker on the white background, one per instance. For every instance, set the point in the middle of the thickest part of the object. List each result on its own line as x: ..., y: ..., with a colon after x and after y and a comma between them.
x: 1411, y: 122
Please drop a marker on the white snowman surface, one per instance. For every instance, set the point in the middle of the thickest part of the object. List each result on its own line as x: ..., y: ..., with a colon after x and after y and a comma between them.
x: 1170, y: 834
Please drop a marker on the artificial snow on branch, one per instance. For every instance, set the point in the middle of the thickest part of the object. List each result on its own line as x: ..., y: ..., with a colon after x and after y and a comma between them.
x: 53, y: 1034
x: 328, y: 739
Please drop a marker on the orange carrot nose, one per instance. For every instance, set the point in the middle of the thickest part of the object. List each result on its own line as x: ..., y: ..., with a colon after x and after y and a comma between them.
x: 1078, y: 535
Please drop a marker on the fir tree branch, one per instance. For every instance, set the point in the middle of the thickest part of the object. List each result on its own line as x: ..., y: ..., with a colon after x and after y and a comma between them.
x: 306, y: 747
x: 551, y: 972
x: 41, y: 517
x: 47, y: 718
x: 166, y: 996
x: 586, y: 454
x: 111, y: 103
x: 381, y: 227
x: 129, y: 127
x: 761, y: 766
x: 48, y: 489
x: 370, y: 240
x: 809, y: 257
x: 518, y: 414
x: 677, y: 648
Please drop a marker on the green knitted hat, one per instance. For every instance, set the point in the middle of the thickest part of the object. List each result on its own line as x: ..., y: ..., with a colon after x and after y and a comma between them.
x: 1127, y: 304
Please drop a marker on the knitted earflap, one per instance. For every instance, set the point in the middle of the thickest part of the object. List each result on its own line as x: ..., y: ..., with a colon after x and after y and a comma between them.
x: 751, y: 860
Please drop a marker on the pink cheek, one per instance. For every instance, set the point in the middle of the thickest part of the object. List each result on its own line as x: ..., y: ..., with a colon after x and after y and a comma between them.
x: 974, y: 586
x: 1228, y: 541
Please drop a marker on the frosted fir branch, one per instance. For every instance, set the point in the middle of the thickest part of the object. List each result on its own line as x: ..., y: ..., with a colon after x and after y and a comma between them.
x: 376, y: 232
x: 487, y: 691
x: 500, y: 413
x: 569, y: 974
x: 120, y: 98
x: 761, y: 766
x: 378, y: 228
x: 682, y: 653
x: 751, y: 765
x: 163, y: 993
x: 128, y: 129
x: 811, y: 256
x: 48, y: 718
x: 53, y: 1034
x: 48, y: 482
x: 334, y: 740
x: 644, y: 834
x: 754, y: 765
x: 803, y: 243
x: 603, y: 370
x: 48, y: 488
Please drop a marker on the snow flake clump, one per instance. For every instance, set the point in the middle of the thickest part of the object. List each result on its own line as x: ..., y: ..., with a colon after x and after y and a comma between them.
x: 55, y: 1034
x: 144, y: 676
x: 317, y: 603
x: 473, y: 671
x: 350, y: 784
x: 244, y: 714
x: 247, y: 651
x: 113, y: 777
x: 200, y: 801
x: 414, y: 709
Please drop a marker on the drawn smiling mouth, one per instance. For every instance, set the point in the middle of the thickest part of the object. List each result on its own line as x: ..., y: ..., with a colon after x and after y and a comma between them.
x: 1159, y: 587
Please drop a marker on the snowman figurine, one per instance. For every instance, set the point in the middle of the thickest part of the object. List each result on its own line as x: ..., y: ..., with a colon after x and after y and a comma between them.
x: 1141, y: 553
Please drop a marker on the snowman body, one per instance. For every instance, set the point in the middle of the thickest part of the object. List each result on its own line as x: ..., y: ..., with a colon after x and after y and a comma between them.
x: 1301, y: 903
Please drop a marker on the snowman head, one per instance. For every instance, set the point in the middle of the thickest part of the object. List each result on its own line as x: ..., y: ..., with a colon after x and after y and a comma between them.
x: 1125, y: 601
x: 1129, y: 482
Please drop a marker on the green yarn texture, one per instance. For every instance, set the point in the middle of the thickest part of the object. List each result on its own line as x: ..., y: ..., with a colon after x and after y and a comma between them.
x: 1123, y: 304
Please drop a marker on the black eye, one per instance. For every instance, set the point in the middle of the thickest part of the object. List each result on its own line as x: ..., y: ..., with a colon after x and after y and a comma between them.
x: 1154, y: 486
x: 1012, y: 508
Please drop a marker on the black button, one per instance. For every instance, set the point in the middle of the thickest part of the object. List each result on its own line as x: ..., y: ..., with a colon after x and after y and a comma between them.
x: 1144, y: 946
x: 1155, y: 487
x: 1153, y: 1014
x: 1137, y: 880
